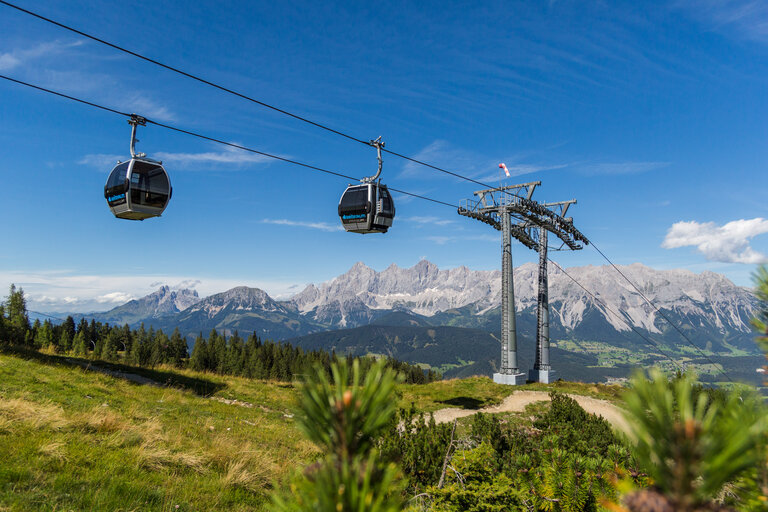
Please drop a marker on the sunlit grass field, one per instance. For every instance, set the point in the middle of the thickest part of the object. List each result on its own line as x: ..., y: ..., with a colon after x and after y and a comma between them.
x: 72, y: 438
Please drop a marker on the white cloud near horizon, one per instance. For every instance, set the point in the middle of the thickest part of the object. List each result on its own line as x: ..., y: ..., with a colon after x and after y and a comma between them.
x: 66, y: 291
x: 323, y: 226
x: 728, y: 243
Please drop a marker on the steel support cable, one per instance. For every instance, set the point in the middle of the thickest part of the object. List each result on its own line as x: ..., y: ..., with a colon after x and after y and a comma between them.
x: 594, y: 297
x: 663, y: 315
x: 295, y: 162
x: 213, y: 139
x: 235, y: 93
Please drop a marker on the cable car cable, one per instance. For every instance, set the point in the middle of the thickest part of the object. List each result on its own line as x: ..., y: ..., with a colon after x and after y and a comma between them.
x: 238, y: 94
x: 61, y: 94
x: 312, y: 167
x: 663, y: 315
x: 213, y: 139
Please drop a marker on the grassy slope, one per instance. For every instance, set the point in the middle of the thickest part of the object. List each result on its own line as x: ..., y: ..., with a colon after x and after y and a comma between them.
x: 77, y: 440
x: 72, y: 439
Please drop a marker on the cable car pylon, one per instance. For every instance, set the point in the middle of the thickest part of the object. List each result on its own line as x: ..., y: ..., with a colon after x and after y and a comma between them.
x: 498, y: 207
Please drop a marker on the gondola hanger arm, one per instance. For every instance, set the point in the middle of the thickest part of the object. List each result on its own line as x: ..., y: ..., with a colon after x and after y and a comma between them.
x: 378, y: 144
x: 134, y: 121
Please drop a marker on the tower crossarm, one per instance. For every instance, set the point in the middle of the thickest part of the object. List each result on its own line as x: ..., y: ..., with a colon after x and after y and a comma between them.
x: 560, y: 207
x: 516, y: 199
x: 506, y: 194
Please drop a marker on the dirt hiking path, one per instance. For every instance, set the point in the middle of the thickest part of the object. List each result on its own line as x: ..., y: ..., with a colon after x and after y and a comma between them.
x: 517, y: 401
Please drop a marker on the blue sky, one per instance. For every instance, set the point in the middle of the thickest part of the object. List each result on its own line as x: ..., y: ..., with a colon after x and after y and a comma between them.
x: 652, y: 115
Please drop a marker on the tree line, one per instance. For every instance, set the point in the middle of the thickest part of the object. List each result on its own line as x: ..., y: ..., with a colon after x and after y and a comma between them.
x: 249, y: 357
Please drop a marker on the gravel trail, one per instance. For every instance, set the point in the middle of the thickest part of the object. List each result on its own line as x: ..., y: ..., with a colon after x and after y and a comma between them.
x: 517, y: 401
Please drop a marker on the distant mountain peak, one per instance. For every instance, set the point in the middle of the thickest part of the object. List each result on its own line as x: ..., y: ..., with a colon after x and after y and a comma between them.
x: 426, y: 290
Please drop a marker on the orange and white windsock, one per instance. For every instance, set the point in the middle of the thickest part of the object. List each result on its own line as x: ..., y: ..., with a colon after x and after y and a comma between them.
x: 506, y: 171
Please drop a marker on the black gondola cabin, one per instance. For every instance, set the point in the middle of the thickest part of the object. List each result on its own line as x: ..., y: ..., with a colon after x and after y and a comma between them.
x: 366, y: 208
x: 138, y: 189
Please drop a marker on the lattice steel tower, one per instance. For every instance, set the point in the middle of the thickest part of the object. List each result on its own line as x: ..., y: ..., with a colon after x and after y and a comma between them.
x: 498, y: 207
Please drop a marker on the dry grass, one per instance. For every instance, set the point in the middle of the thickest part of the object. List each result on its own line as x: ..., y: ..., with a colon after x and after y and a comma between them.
x: 155, y: 457
x: 33, y: 414
x: 252, y: 472
x: 54, y: 450
x: 101, y: 421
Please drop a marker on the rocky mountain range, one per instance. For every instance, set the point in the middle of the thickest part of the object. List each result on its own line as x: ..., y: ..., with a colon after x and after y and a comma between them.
x: 706, y: 306
x: 161, y: 303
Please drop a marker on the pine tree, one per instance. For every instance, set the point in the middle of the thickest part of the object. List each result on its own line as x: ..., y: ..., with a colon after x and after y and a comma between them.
x: 343, y: 420
x: 692, y: 447
x: 126, y: 340
x: 199, y: 359
x: 65, y: 342
x: 760, y: 322
x: 69, y: 327
x: 44, y: 336
x: 18, y: 320
x: 4, y: 337
x: 178, y: 349
x: 80, y: 344
x: 109, y: 350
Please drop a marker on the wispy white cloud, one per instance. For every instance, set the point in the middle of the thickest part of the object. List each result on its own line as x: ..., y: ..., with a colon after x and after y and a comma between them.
x: 728, y: 243
x: 437, y: 221
x: 230, y: 156
x: 147, y: 107
x: 101, y: 160
x: 520, y: 170
x: 322, y: 226
x: 114, y: 298
x: 618, y: 168
x: 14, y: 58
x: 744, y: 18
x: 468, y: 163
x: 442, y: 240
x: 56, y: 65
x: 441, y: 154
